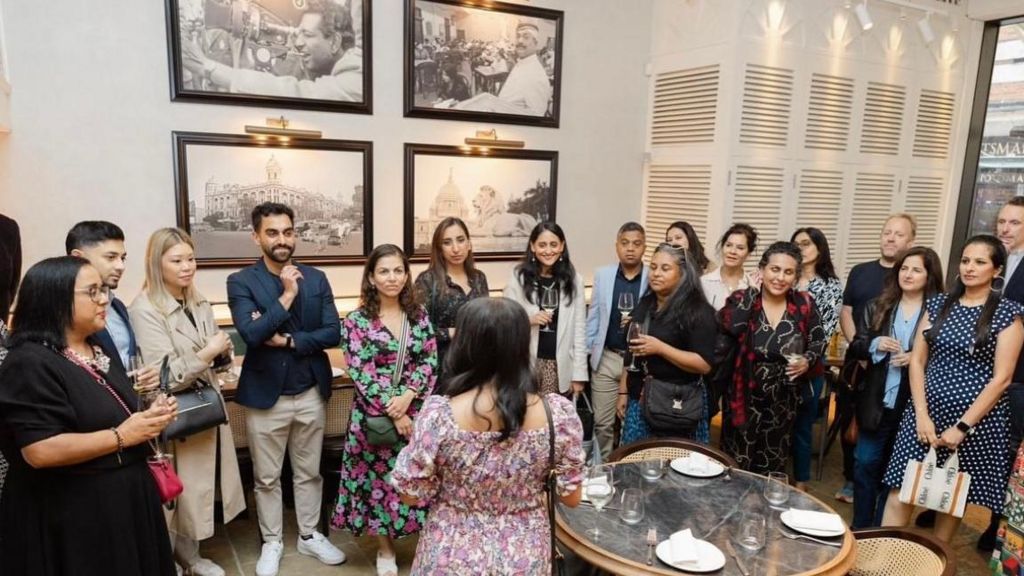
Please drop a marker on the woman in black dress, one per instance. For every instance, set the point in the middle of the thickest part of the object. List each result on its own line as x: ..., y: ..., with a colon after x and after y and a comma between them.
x: 79, y: 498
x: 769, y: 340
x: 450, y: 281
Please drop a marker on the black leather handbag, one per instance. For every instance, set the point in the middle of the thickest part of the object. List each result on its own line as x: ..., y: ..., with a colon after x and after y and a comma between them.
x: 671, y: 408
x: 200, y: 407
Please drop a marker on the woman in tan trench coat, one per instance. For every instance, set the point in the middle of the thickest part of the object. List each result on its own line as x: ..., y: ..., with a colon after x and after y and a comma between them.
x: 171, y: 318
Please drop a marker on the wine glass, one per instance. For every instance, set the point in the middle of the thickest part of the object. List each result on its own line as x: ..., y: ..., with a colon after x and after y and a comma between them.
x: 635, y: 331
x: 625, y: 303
x: 793, y: 349
x: 132, y: 368
x: 599, y: 491
x: 549, y: 303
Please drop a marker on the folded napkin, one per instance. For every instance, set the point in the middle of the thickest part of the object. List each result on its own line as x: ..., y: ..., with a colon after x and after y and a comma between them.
x: 684, y: 547
x: 809, y: 519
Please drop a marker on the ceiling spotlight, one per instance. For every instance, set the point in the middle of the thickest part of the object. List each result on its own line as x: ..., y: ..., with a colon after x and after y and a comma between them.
x: 924, y: 26
x: 861, y: 10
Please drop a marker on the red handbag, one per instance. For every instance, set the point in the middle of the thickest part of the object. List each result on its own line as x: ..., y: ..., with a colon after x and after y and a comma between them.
x: 168, y: 485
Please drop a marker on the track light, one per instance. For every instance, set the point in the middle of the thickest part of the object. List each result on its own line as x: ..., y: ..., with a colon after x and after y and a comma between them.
x: 924, y: 26
x: 863, y: 16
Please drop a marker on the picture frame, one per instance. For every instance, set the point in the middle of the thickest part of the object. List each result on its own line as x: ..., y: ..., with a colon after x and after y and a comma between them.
x: 272, y: 53
x: 483, y: 62
x: 500, y: 193
x: 219, y: 178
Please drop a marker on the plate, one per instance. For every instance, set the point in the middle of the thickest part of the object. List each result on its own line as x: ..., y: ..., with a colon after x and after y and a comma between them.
x: 682, y: 465
x: 785, y: 517
x: 709, y: 557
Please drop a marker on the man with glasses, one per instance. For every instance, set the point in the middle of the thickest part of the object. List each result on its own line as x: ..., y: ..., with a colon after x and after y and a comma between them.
x: 102, y: 244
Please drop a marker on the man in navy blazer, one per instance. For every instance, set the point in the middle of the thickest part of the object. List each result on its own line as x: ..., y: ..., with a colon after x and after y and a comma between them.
x: 606, y: 337
x: 102, y: 244
x: 285, y: 313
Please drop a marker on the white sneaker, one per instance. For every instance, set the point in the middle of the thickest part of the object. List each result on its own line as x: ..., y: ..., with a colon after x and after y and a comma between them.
x: 320, y: 548
x: 177, y: 569
x: 270, y: 559
x: 205, y: 567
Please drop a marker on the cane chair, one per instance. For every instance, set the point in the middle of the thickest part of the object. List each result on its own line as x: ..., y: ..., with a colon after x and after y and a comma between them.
x: 901, y: 552
x: 669, y: 449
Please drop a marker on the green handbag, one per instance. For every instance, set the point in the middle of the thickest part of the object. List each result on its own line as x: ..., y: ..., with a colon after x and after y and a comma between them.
x: 381, y: 430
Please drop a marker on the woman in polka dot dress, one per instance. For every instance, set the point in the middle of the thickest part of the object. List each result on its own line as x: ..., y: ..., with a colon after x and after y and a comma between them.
x: 962, y: 361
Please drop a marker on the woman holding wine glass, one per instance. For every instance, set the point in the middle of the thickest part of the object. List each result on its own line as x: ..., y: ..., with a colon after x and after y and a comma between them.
x: 78, y: 498
x: 671, y: 338
x: 770, y: 339
x: 171, y: 318
x: 547, y: 286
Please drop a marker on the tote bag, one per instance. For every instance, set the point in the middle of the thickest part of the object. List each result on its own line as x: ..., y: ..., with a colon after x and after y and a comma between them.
x: 940, y: 488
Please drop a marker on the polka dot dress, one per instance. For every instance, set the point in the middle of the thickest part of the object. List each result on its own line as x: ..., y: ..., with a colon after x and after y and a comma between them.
x: 954, y: 377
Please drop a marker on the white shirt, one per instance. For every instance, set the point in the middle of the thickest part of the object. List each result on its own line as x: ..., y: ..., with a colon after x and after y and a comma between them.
x: 716, y: 290
x: 528, y: 86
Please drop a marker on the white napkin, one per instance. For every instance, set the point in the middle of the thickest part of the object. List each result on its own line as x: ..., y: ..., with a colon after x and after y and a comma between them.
x: 698, y: 462
x: 336, y: 372
x: 809, y: 519
x: 684, y: 546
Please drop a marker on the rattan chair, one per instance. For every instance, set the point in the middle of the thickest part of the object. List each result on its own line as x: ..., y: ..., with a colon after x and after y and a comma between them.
x: 901, y: 552
x: 667, y: 448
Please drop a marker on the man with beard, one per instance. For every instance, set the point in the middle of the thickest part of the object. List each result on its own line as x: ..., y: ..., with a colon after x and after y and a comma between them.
x: 102, y: 244
x: 285, y: 313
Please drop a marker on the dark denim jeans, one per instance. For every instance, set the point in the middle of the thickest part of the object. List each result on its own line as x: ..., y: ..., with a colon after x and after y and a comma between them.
x: 870, y: 459
x: 802, y: 428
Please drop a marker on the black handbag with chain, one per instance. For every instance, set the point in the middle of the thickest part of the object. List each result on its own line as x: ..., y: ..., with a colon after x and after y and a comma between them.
x: 200, y: 407
x: 671, y: 408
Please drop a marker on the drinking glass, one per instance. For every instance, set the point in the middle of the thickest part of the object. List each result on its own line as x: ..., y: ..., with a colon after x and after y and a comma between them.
x: 625, y: 303
x: 636, y: 330
x: 632, y: 511
x: 652, y: 469
x: 149, y: 397
x: 549, y: 303
x: 132, y: 368
x: 224, y: 367
x: 793, y: 349
x: 753, y: 531
x: 599, y: 491
x: 776, y: 488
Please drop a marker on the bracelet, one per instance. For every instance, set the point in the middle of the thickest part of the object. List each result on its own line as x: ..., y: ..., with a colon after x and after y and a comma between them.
x: 120, y: 443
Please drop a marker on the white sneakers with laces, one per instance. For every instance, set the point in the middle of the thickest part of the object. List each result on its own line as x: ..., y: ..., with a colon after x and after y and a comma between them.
x: 320, y: 548
x: 270, y: 559
x: 205, y: 567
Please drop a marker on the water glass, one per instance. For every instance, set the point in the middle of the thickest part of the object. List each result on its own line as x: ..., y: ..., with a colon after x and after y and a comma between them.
x: 652, y: 469
x: 632, y: 511
x: 776, y: 488
x: 753, y: 531
x: 599, y: 490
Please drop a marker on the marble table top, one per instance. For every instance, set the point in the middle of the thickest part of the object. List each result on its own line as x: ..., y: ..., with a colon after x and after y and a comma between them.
x: 711, y: 508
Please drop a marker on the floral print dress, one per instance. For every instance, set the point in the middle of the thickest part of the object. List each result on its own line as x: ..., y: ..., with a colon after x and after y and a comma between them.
x: 367, y: 504
x: 487, y: 509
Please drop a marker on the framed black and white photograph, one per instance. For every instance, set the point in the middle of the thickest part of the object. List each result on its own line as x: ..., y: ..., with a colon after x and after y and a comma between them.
x: 219, y: 178
x: 501, y: 194
x: 489, y: 62
x: 308, y: 54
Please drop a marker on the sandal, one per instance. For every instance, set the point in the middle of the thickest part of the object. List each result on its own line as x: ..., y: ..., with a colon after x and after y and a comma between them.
x: 386, y: 566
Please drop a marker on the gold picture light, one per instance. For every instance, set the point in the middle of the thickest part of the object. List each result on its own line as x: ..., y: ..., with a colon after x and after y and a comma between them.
x: 279, y: 127
x: 489, y: 139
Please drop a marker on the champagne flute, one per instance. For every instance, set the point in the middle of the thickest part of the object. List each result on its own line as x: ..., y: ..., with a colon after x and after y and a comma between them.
x: 625, y: 304
x: 599, y: 491
x: 793, y: 350
x: 132, y: 368
x: 549, y: 303
x: 635, y: 331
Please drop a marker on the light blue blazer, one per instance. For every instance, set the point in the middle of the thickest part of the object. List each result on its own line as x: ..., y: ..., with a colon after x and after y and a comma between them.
x: 601, y: 306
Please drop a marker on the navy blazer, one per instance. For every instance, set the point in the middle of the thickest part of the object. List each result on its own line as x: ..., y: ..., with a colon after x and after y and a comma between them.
x: 1014, y: 290
x: 107, y: 343
x: 257, y: 314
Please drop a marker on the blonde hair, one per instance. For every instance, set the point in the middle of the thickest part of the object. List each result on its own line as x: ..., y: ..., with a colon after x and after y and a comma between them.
x: 908, y: 217
x: 156, y: 290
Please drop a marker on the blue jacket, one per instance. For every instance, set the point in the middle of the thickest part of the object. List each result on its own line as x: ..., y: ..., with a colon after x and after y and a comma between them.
x: 257, y: 314
x: 107, y: 343
x: 601, y: 308
x: 1014, y: 290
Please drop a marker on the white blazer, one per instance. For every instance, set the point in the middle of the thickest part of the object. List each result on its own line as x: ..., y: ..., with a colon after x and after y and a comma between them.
x: 571, y: 338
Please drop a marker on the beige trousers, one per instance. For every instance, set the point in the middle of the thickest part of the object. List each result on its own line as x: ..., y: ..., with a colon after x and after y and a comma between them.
x: 295, y: 423
x: 604, y: 393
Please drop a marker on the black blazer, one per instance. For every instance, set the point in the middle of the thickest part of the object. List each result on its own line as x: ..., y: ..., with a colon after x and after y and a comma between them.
x: 257, y: 314
x: 107, y: 343
x: 1014, y: 290
x: 10, y: 264
x: 871, y: 388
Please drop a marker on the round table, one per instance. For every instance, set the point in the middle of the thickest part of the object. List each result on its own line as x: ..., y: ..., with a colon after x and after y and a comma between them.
x: 711, y: 507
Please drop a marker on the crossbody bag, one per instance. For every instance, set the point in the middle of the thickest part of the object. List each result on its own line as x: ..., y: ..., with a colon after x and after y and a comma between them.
x: 381, y: 430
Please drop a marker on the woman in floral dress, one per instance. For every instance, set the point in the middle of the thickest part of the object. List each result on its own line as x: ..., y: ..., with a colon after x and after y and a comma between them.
x: 367, y: 504
x: 480, y: 452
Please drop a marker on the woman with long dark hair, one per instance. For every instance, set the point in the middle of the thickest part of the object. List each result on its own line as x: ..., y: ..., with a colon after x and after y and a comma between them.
x: 479, y: 453
x: 885, y: 334
x: 734, y: 247
x: 559, y: 348
x: 79, y: 497
x: 677, y: 346
x: 818, y: 278
x: 450, y: 281
x: 963, y: 359
x: 681, y: 233
x: 769, y: 343
x: 372, y: 339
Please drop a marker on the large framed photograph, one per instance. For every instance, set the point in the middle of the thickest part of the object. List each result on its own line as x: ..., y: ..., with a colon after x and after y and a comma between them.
x: 500, y: 194
x: 308, y: 54
x: 219, y: 178
x: 487, y: 62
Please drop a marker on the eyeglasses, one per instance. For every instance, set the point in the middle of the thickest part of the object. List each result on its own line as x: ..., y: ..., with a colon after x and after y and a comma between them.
x: 96, y: 293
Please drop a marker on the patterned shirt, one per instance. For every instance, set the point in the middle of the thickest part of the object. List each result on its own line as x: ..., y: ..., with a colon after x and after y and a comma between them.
x: 443, y: 303
x: 828, y: 298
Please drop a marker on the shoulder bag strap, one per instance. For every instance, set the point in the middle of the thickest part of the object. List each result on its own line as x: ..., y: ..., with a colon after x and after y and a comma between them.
x: 549, y: 481
x: 396, y: 378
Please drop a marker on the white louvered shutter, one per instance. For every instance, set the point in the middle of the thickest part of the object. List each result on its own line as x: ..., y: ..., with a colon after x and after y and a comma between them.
x: 883, y: 119
x: 924, y: 202
x: 767, y: 98
x: 872, y: 204
x: 819, y: 199
x: 934, y: 124
x: 676, y: 192
x: 685, y: 106
x: 828, y: 112
x: 757, y: 200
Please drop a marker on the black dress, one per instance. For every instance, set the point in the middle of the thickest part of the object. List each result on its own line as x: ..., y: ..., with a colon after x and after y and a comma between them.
x: 443, y: 303
x: 100, y: 517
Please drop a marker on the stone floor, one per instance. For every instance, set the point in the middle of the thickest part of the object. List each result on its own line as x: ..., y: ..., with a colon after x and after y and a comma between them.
x: 236, y: 546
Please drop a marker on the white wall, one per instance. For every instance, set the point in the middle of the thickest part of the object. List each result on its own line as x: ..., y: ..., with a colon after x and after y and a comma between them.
x: 92, y: 122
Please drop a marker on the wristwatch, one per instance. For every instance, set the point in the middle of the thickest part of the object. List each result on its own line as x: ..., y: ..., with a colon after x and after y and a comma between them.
x: 964, y: 427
